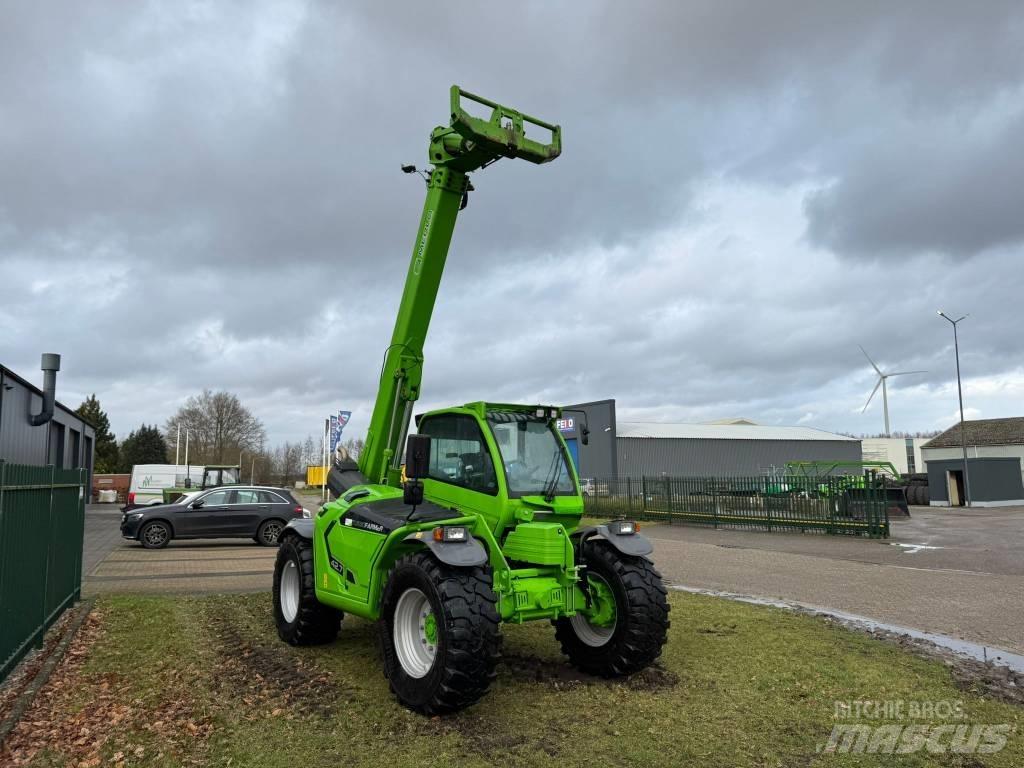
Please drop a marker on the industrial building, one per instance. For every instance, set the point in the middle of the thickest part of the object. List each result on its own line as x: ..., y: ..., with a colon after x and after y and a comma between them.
x: 729, y: 448
x: 904, y: 453
x: 36, y: 429
x: 995, y: 457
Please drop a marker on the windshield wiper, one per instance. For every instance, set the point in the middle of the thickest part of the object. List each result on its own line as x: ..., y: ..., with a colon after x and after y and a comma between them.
x: 551, y: 483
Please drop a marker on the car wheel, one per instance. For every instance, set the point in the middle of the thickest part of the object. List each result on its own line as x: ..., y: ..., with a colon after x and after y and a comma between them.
x: 301, y: 619
x: 155, y: 535
x: 269, y: 532
x: 439, y: 634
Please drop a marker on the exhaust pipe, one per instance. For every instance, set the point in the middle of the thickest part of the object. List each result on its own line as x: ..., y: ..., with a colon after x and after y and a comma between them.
x: 50, y: 365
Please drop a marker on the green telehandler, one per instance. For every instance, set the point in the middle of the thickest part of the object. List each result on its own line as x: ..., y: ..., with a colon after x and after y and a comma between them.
x: 481, y: 524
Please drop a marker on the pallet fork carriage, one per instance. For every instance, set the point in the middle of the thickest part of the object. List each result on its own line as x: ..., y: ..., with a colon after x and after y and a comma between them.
x: 484, y: 527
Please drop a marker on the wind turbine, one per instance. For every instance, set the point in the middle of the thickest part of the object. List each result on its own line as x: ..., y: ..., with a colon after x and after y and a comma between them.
x: 881, y: 383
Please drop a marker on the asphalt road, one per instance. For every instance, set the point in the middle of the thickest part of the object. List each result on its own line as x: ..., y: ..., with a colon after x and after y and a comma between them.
x: 950, y: 571
x: 953, y: 572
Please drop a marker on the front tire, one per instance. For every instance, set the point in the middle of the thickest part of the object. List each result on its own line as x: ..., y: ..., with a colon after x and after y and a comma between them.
x: 301, y: 619
x: 631, y: 640
x: 439, y: 634
x: 155, y: 535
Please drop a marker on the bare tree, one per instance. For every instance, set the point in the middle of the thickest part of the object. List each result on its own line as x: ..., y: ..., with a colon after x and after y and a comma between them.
x: 288, y: 464
x: 311, y: 454
x: 354, y: 446
x: 219, y: 427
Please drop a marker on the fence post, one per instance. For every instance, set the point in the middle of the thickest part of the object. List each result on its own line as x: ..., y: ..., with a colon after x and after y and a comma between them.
x: 3, y: 548
x: 714, y: 502
x: 668, y: 495
x: 629, y: 495
x: 643, y: 495
x: 80, y: 525
x: 46, y: 562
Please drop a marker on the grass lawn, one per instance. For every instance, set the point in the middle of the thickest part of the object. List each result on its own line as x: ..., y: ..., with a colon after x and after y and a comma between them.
x: 205, y: 681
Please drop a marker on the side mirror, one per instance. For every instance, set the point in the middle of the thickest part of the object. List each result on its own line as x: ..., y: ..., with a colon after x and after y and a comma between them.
x: 417, y: 457
x: 584, y: 434
x: 417, y: 465
x: 197, y: 504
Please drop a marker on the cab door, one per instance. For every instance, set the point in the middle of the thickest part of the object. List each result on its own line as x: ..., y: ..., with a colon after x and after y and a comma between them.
x: 462, y: 470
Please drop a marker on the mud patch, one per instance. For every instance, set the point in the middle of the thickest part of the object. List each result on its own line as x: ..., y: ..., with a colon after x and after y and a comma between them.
x: 561, y: 676
x: 269, y: 678
x: 999, y: 682
x: 515, y: 748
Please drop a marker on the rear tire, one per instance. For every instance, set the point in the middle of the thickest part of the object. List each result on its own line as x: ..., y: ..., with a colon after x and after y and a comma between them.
x: 640, y: 630
x: 269, y: 532
x: 301, y: 619
x: 155, y: 535
x: 438, y: 634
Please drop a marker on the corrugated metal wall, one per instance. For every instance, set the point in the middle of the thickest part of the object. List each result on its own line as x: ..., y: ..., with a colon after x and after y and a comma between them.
x: 69, y: 439
x: 686, y: 457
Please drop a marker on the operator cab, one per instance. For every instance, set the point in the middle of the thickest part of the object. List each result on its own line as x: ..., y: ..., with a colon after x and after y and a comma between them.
x: 489, y: 449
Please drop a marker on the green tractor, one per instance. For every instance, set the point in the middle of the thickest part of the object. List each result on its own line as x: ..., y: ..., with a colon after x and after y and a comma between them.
x: 481, y: 523
x: 214, y: 476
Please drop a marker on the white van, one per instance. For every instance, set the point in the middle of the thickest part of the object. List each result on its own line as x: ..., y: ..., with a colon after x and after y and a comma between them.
x: 149, y: 480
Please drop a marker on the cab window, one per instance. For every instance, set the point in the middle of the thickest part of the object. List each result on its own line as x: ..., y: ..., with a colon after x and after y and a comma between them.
x: 458, y: 453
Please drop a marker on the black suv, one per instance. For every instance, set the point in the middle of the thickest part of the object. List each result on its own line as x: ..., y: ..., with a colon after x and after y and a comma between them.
x: 240, y: 511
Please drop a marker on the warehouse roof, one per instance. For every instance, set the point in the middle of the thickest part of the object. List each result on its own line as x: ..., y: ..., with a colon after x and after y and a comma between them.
x: 723, y: 431
x: 982, y: 432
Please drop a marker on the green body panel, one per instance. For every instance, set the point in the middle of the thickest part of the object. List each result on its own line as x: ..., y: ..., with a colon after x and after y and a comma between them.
x: 526, y: 538
x: 542, y: 543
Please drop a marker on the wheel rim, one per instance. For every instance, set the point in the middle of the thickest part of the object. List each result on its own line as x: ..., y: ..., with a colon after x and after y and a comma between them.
x: 290, y: 591
x: 271, y: 531
x: 155, y: 535
x: 597, y: 634
x: 415, y: 633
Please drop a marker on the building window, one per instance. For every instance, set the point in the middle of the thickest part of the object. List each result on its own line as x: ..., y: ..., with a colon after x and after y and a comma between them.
x: 911, y: 467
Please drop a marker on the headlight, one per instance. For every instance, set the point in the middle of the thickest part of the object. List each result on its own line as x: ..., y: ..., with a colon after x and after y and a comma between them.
x: 306, y: 514
x: 623, y: 527
x: 136, y: 515
x: 451, y: 534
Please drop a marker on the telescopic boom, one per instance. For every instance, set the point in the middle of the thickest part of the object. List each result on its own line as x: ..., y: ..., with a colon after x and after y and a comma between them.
x: 466, y: 145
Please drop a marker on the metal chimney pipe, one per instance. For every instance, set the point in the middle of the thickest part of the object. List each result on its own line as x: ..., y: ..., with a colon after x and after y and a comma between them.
x: 50, y: 365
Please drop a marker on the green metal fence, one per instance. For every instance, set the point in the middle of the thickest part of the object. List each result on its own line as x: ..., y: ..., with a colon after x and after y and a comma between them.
x: 841, y: 504
x: 42, y: 522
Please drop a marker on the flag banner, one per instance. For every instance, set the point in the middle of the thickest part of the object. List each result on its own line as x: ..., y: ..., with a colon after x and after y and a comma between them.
x: 335, y: 433
x: 343, y: 417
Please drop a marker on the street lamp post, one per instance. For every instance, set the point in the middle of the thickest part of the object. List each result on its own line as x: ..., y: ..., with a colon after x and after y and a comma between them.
x: 960, y: 393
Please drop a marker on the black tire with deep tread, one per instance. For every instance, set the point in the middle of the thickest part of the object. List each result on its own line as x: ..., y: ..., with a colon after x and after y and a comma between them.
x: 469, y: 641
x: 642, y: 615
x: 315, y: 623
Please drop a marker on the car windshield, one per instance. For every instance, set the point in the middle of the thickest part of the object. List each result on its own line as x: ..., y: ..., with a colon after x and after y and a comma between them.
x: 186, y: 498
x: 533, y: 457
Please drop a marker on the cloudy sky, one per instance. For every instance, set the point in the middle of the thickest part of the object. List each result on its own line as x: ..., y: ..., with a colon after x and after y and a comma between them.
x: 208, y: 195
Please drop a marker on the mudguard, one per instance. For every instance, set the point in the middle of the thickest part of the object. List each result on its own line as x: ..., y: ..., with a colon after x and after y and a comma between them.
x: 634, y: 544
x: 461, y: 554
x: 302, y: 527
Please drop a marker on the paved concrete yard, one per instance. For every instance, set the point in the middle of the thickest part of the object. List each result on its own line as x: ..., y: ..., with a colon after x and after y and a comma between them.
x: 112, y: 564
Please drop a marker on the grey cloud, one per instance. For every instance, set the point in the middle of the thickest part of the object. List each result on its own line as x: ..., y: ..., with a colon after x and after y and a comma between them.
x: 229, y: 172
